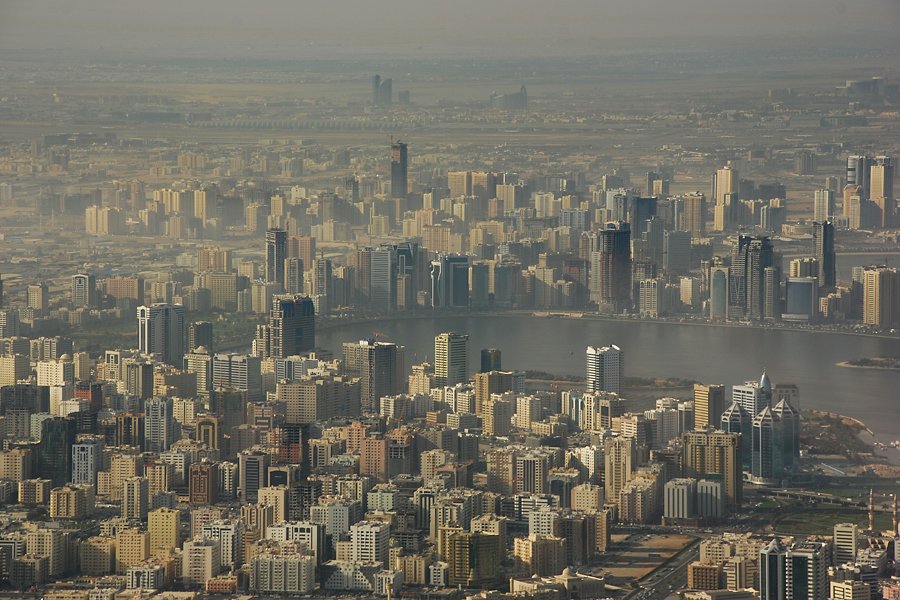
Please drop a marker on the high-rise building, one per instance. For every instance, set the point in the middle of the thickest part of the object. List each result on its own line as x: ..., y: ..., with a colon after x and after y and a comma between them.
x: 276, y: 252
x: 790, y: 445
x: 321, y: 283
x: 203, y: 484
x: 161, y: 331
x: 881, y: 296
x: 84, y: 291
x: 747, y: 291
x: 773, y: 571
x: 164, y: 525
x: 399, y: 186
x: 859, y: 169
x: 382, y: 90
x: 238, y: 372
x: 807, y: 571
x: 369, y: 541
x: 605, y: 369
x: 383, y: 280
x: 753, y: 396
x: 694, y: 215
x: 714, y: 451
x: 846, y: 542
x: 380, y: 367
x: 737, y: 420
x: 293, y: 276
x: 709, y: 404
x: 881, y: 180
x: 230, y: 535
x: 200, y: 334
x: 450, y: 281
x: 55, y: 457
x: 451, y: 359
x: 621, y: 461
x: 292, y: 326
x: 823, y: 251
x: 201, y: 560
x: 611, y: 268
x: 823, y: 205
x: 490, y: 360
x: 38, y: 297
x: 767, y: 461
x: 135, y: 498
x: 473, y: 559
x: 252, y: 466
x: 159, y: 424
x: 86, y: 461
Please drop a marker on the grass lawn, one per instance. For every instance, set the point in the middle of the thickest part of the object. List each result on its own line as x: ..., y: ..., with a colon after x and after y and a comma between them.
x: 822, y: 522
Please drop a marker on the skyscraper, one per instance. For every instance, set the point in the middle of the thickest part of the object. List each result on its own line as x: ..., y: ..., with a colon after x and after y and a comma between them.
x: 737, y: 420
x: 293, y: 276
x: 709, y: 404
x: 86, y: 461
x: 881, y: 296
x: 773, y: 571
x: 611, y: 268
x: 490, y: 360
x: 752, y: 395
x: 382, y: 90
x: 159, y: 424
x: 161, y: 331
x: 292, y: 326
x: 200, y: 334
x: 322, y: 283
x: 380, y: 367
x: 55, y: 457
x: 823, y: 251
x: 719, y: 285
x: 383, y: 280
x: 84, y: 291
x: 621, y: 460
x: 714, y: 451
x: 605, y: 369
x: 450, y: 281
x: 252, y: 467
x: 823, y: 205
x: 881, y: 181
x: 858, y: 173
x: 399, y: 186
x: 790, y: 423
x: 747, y: 291
x: 276, y: 251
x: 694, y: 215
x: 238, y: 372
x: 767, y: 461
x: 451, y: 359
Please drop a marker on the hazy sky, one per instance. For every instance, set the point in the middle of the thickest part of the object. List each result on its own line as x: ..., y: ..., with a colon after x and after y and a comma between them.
x: 296, y: 28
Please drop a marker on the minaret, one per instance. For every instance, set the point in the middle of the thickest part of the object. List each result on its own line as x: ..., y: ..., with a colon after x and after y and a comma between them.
x: 895, y: 515
x: 871, y: 510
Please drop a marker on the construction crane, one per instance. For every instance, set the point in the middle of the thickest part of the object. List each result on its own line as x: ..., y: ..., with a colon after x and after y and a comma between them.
x: 378, y: 334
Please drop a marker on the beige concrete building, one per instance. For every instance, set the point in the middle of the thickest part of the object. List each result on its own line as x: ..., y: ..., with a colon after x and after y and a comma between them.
x: 98, y: 556
x: 163, y: 525
x: 132, y: 547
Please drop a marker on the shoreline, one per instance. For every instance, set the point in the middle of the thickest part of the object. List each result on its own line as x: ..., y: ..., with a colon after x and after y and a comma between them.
x: 332, y: 323
x: 847, y: 365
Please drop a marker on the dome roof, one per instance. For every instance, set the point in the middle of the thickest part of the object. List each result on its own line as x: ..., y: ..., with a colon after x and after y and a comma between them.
x: 765, y: 383
x: 66, y: 358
